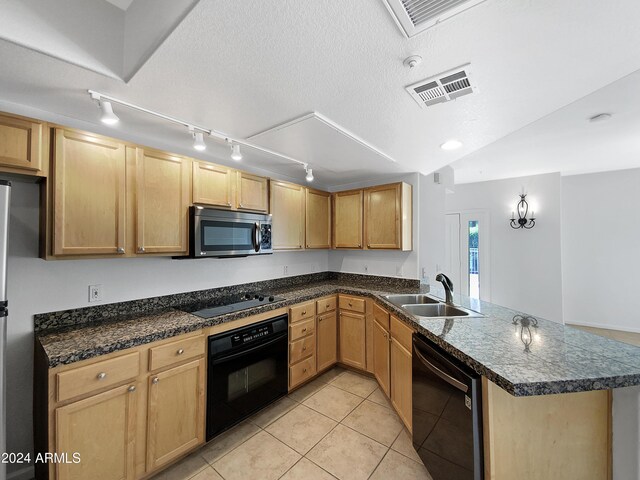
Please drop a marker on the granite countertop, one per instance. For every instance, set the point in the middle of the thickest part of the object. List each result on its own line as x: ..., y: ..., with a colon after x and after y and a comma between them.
x: 559, y: 359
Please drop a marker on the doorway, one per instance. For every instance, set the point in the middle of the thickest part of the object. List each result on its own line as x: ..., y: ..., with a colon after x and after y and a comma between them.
x: 467, y: 253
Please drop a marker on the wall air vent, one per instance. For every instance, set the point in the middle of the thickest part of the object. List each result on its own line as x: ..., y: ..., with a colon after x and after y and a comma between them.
x: 444, y: 87
x: 415, y: 16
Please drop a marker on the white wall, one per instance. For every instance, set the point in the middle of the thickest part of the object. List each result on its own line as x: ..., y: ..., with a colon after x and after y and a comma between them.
x: 38, y: 286
x: 600, y: 256
x: 525, y: 264
x: 431, y: 247
x: 385, y: 263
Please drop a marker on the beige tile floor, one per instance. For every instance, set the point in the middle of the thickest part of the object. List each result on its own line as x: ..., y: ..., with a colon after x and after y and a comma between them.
x: 338, y: 426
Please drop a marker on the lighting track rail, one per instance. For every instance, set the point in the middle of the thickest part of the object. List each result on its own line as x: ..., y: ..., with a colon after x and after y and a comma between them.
x: 110, y: 118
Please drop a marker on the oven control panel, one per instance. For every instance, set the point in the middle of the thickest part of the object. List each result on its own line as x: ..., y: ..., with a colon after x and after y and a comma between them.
x: 251, y: 335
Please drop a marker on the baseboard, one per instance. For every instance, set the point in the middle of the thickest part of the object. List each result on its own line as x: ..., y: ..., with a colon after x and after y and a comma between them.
x: 27, y: 473
x: 606, y: 326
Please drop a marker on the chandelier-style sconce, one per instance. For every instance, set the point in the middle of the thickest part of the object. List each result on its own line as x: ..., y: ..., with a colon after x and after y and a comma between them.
x: 523, y: 209
x: 525, y: 334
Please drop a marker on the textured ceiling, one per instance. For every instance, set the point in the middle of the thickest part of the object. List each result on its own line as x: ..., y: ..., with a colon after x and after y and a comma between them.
x: 245, y: 66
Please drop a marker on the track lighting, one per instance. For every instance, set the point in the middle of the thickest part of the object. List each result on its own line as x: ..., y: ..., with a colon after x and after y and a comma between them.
x: 108, y: 116
x: 309, y: 171
x: 235, y: 152
x: 198, y: 140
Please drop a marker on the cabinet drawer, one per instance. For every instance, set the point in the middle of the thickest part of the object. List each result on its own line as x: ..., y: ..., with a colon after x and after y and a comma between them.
x: 325, y: 305
x: 79, y: 381
x: 302, y: 371
x: 175, y: 352
x: 302, y: 329
x: 401, y: 332
x: 302, y: 348
x: 354, y: 304
x: 381, y: 316
x: 302, y: 311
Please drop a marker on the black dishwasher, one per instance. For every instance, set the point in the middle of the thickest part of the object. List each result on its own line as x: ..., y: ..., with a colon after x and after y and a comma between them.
x: 447, y: 414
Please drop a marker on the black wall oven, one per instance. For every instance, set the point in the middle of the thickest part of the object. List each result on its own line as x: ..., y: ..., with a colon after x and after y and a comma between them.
x: 247, y: 371
x: 447, y: 414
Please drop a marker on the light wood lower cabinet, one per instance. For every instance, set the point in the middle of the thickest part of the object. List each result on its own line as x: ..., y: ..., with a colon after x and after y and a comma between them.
x: 401, y: 385
x: 89, y: 194
x: 99, y: 427
x: 352, y: 328
x: 176, y: 413
x: 163, y: 195
x: 381, y: 364
x: 327, y: 335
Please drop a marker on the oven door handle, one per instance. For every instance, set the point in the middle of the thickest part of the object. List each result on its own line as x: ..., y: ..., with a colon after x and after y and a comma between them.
x: 447, y: 378
x: 256, y: 237
x: 219, y: 360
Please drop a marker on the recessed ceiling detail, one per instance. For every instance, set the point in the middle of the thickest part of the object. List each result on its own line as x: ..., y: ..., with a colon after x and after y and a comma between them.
x: 415, y: 16
x: 442, y: 88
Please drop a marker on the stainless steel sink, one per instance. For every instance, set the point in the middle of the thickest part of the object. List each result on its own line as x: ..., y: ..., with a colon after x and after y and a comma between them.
x: 400, y: 300
x: 440, y: 310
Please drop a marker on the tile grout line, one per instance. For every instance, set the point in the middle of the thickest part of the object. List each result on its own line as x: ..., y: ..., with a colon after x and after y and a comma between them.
x: 227, y: 453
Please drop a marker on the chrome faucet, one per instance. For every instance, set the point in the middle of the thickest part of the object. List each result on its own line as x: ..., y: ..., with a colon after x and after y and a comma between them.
x: 448, y: 287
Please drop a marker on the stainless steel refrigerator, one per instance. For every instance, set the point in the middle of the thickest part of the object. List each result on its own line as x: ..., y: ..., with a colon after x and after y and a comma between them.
x: 5, y: 196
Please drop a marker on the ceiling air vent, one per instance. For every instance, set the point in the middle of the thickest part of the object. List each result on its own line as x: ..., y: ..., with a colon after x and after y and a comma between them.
x: 415, y: 16
x: 444, y: 87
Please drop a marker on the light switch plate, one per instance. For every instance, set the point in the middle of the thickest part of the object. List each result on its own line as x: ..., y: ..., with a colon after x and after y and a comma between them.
x: 95, y: 293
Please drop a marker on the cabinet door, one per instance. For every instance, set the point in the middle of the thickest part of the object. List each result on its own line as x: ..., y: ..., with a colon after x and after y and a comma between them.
x: 327, y: 334
x: 353, y: 339
x: 21, y: 144
x: 212, y: 184
x: 318, y: 219
x: 252, y: 193
x: 89, y: 195
x: 347, y: 219
x: 287, y: 214
x: 381, y: 356
x: 162, y: 197
x: 102, y: 430
x: 383, y: 209
x: 401, y: 382
x: 175, y: 413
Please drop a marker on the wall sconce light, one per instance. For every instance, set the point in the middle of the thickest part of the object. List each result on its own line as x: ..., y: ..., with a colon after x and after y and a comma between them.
x: 523, y: 209
x: 525, y: 334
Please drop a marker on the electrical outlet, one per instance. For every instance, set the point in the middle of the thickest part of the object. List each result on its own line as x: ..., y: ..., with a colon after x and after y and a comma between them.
x: 286, y: 269
x: 95, y: 293
x: 366, y: 269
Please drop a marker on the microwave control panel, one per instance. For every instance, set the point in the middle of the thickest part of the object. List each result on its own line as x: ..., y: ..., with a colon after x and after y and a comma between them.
x: 265, y: 235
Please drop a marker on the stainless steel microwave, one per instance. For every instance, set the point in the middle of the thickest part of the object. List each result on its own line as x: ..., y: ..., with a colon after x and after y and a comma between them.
x: 223, y: 233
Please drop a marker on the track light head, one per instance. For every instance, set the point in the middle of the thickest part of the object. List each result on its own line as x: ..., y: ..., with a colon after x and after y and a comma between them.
x: 309, y: 171
x: 198, y: 141
x: 108, y: 117
x: 235, y: 152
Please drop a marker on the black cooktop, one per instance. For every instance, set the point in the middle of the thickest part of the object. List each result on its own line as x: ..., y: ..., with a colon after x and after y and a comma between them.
x: 233, y: 304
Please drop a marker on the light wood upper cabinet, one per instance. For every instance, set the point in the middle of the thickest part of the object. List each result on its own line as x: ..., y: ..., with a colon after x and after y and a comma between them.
x: 252, y: 192
x: 88, y: 194
x: 213, y: 184
x: 388, y: 217
x: 163, y: 195
x: 352, y: 343
x: 175, y: 413
x: 288, y: 213
x: 381, y: 356
x: 347, y: 219
x: 327, y: 335
x: 101, y: 429
x: 22, y: 145
x: 318, y: 219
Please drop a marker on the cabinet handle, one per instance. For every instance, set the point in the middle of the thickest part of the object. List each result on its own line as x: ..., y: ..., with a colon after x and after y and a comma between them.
x: 180, y: 351
x: 140, y: 249
x: 155, y: 380
x: 328, y: 306
x: 120, y: 250
x: 304, y: 349
x: 350, y: 304
x: 228, y: 204
x: 101, y: 376
x: 368, y: 245
x: 132, y: 388
x: 320, y: 319
x: 304, y: 312
x: 304, y: 370
x: 241, y: 205
x: 304, y: 330
x: 359, y: 245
